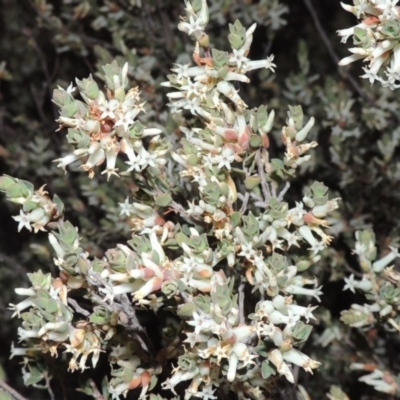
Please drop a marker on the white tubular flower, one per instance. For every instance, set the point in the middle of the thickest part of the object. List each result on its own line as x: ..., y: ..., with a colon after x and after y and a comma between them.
x: 305, y: 312
x: 25, y: 334
x: 90, y: 126
x: 279, y: 302
x: 230, y: 92
x: 25, y: 291
x: 303, y: 132
x: 278, y: 318
x: 322, y: 211
x: 123, y: 288
x: 379, y: 265
x: 70, y: 122
x: 265, y: 308
x: 345, y: 33
x: 276, y: 358
x: 111, y: 156
x: 124, y: 75
x: 233, y: 362
x: 17, y: 308
x: 152, y: 285
x: 389, y: 8
x: 243, y: 332
x: 306, y: 233
x: 151, y: 132
x: 68, y: 159
x: 152, y: 266
x: 293, y: 289
x: 250, y: 30
x: 386, y: 310
x: 377, y: 63
x: 170, y: 383
x: 302, y: 360
x: 395, y: 61
x: 277, y: 337
x: 95, y: 158
x: 56, y: 246
x: 350, y: 59
x: 54, y: 326
x: 156, y: 246
x: 267, y: 64
x: 21, y: 351
x: 235, y: 76
x: 351, y: 284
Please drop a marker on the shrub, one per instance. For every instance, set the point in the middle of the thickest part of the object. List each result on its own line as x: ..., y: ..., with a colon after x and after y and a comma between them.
x: 212, y: 289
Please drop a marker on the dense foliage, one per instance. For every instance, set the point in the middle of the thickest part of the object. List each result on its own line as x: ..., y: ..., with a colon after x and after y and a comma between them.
x: 220, y: 219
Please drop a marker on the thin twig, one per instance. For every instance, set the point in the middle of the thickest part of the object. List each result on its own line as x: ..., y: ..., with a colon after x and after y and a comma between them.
x: 77, y: 307
x: 99, y: 300
x: 178, y: 208
x: 12, y: 392
x: 96, y: 393
x: 134, y: 325
x: 264, y: 185
x: 181, y: 211
x: 48, y: 387
x: 245, y: 202
x: 127, y: 313
x: 127, y: 318
x: 246, y: 197
x: 333, y: 54
x: 283, y: 191
x: 268, y: 47
x: 242, y: 320
x: 274, y: 186
x: 353, y: 271
x: 258, y: 200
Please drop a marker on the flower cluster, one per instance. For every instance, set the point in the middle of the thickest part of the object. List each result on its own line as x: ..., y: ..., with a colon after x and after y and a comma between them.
x: 103, y: 125
x: 38, y: 210
x: 380, y: 284
x: 376, y: 39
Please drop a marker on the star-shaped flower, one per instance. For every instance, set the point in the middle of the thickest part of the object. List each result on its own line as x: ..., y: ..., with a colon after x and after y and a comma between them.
x: 108, y: 109
x: 23, y: 220
x: 126, y: 208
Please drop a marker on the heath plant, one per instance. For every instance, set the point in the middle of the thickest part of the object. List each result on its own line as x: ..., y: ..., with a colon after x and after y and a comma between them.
x: 213, y: 242
x: 213, y: 290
